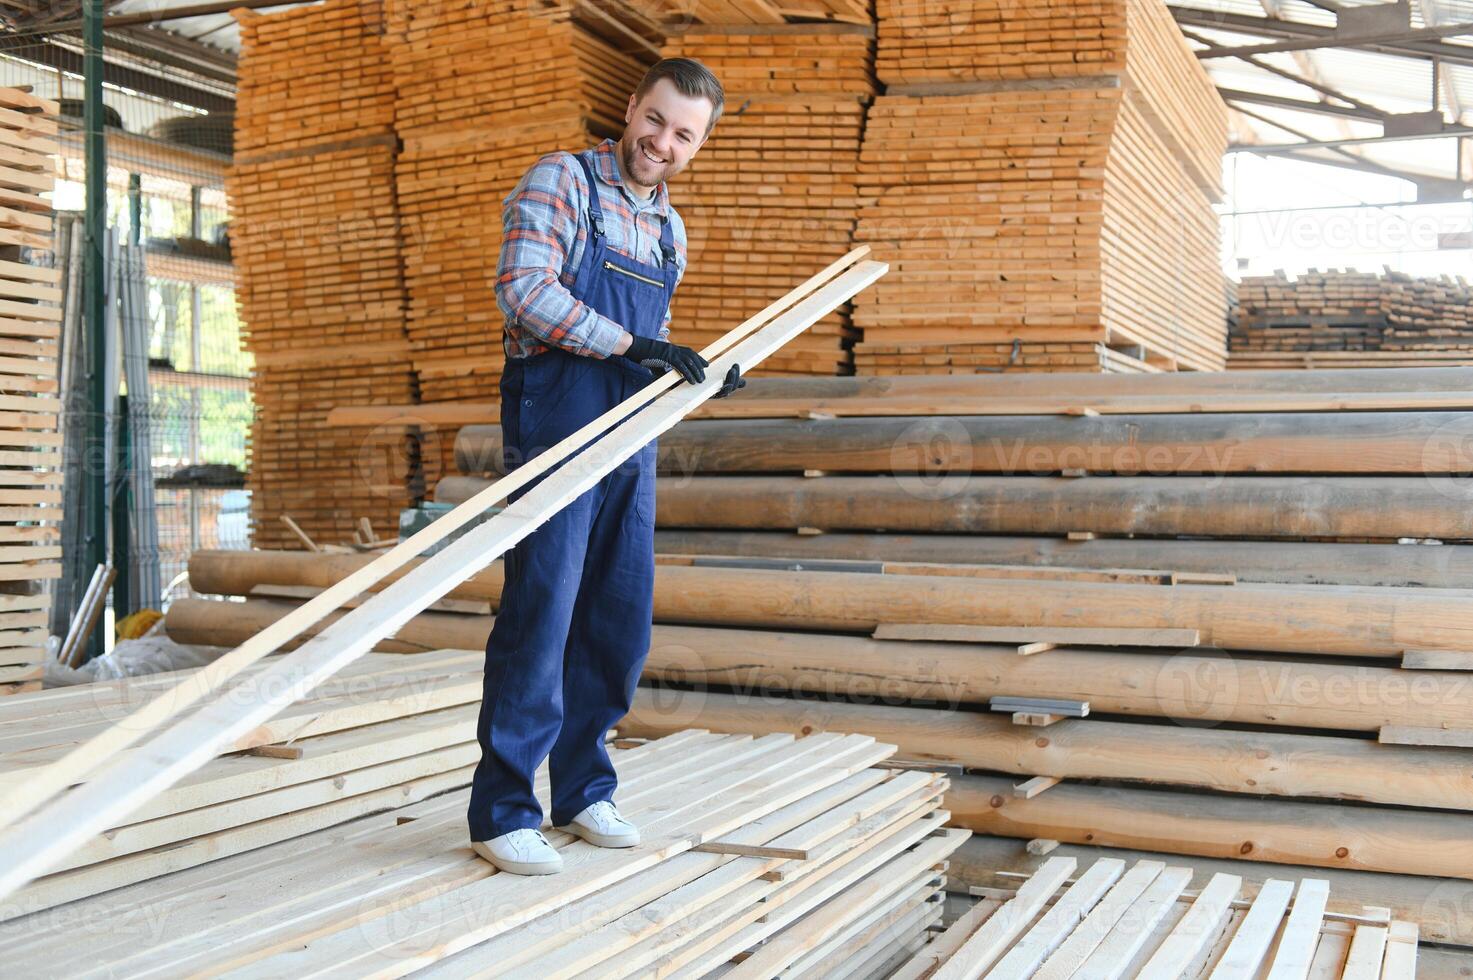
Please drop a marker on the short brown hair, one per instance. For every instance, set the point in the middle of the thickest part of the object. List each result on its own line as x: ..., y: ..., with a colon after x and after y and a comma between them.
x: 691, y: 79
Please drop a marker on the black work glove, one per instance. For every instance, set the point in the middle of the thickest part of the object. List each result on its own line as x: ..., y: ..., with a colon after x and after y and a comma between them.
x: 734, y: 381
x: 661, y: 356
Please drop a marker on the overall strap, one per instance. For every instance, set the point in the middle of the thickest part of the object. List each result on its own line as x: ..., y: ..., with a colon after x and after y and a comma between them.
x: 595, y: 212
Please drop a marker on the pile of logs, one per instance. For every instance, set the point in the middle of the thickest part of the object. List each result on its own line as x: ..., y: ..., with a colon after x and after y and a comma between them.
x: 30, y: 325
x: 771, y: 199
x: 1350, y: 319
x: 1204, y: 585
x: 320, y: 289
x: 1042, y: 182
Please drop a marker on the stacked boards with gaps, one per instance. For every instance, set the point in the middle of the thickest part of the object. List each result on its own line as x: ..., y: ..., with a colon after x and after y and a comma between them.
x: 30, y: 406
x: 1113, y: 919
x: 772, y: 195
x: 1351, y: 319
x: 315, y: 236
x: 1042, y: 182
x: 757, y: 854
x: 471, y: 126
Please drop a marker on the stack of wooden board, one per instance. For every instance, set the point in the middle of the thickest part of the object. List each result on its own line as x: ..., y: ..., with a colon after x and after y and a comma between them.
x: 471, y: 125
x: 771, y: 197
x: 1041, y: 185
x: 767, y: 851
x: 30, y: 318
x: 315, y: 236
x: 386, y: 731
x: 1141, y: 921
x: 1351, y: 319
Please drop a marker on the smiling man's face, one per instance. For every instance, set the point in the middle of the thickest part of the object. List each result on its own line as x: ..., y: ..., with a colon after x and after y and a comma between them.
x: 665, y: 130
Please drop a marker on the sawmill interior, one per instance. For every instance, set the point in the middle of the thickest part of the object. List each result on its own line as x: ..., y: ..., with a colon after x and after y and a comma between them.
x: 736, y: 488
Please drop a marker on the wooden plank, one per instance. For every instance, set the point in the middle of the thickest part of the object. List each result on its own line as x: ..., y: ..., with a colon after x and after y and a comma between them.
x: 1421, y: 735
x: 1367, y: 949
x: 1055, y: 926
x: 1071, y: 955
x: 1401, y: 951
x: 1250, y: 944
x: 1437, y: 659
x: 994, y: 936
x: 1297, y: 945
x: 1197, y: 929
x: 195, y: 740
x: 1028, y: 789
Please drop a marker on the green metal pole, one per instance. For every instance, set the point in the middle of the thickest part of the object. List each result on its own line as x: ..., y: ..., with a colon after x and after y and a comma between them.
x: 122, y: 504
x: 94, y: 300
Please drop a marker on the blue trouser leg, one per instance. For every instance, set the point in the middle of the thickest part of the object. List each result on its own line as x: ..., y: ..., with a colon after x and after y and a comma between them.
x: 522, y: 702
x: 609, y: 639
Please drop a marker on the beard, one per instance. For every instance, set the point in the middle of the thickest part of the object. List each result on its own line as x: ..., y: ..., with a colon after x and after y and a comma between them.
x: 639, y: 167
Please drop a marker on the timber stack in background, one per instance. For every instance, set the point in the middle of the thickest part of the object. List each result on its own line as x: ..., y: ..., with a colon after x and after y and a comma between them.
x: 320, y: 284
x: 1329, y: 320
x: 1041, y: 181
x: 1188, y: 591
x: 32, y: 320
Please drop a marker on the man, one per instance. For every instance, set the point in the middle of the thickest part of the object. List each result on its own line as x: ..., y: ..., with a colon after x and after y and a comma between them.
x: 591, y: 254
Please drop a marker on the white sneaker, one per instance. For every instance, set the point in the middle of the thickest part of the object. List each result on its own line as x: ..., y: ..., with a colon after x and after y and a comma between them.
x: 601, y: 824
x: 521, y: 852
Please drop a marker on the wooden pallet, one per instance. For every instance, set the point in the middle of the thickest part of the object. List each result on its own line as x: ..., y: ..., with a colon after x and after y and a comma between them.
x: 1111, y: 920
x: 768, y: 850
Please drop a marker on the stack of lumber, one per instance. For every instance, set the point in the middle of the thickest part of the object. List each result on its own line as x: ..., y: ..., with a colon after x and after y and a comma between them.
x: 1195, y: 579
x: 315, y: 237
x: 471, y: 126
x: 30, y: 330
x: 1044, y: 177
x: 1138, y: 919
x: 778, y: 852
x: 1349, y: 319
x: 772, y: 196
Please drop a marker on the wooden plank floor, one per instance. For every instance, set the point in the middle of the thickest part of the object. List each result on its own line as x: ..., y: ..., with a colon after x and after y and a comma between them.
x: 783, y: 854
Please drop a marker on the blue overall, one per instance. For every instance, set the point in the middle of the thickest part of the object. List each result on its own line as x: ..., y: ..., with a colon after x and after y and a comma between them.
x: 573, y: 627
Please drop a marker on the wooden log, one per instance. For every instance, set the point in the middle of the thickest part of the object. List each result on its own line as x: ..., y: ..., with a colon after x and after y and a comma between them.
x: 944, y: 388
x: 1334, y: 443
x: 1248, y: 507
x: 1435, y: 844
x: 1192, y: 689
x: 1436, y: 904
x: 1288, y: 765
x: 1302, y: 562
x: 1340, y: 620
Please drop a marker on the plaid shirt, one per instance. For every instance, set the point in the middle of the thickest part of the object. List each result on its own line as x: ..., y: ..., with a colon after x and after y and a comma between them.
x: 544, y: 229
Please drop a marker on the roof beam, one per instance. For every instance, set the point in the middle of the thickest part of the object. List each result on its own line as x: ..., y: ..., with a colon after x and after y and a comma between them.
x: 1338, y: 40
x: 42, y: 51
x: 1451, y: 133
x: 1302, y: 105
x: 1455, y: 54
